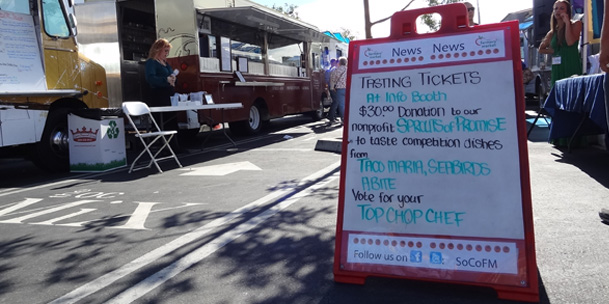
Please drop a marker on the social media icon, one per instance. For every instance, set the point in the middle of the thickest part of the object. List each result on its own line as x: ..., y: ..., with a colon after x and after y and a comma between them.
x: 435, y: 257
x: 416, y: 256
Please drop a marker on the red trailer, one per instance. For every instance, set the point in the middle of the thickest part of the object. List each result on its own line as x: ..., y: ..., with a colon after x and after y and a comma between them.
x: 253, y: 55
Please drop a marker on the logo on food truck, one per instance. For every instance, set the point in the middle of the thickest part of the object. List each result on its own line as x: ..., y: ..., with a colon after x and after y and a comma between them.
x: 84, y: 135
x: 483, y: 42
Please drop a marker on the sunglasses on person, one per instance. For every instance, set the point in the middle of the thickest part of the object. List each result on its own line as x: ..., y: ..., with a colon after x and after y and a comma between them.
x: 471, y: 9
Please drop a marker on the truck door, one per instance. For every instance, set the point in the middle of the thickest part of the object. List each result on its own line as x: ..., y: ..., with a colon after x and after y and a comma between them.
x: 60, y: 51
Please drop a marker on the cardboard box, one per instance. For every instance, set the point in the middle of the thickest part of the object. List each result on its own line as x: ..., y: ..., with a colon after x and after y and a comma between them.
x: 96, y: 145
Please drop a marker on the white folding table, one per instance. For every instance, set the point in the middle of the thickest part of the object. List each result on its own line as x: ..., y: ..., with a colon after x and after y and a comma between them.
x: 221, y: 107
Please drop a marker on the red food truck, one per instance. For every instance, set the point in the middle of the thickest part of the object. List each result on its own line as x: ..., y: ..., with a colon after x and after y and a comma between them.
x: 235, y: 51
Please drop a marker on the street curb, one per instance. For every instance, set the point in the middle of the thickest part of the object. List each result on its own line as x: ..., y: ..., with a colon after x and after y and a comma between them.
x: 329, y: 145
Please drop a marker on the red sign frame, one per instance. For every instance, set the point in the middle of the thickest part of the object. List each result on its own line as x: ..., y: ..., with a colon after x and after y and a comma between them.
x: 523, y: 283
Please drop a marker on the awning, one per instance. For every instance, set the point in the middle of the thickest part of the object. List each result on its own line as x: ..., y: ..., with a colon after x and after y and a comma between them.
x: 525, y: 25
x: 267, y: 20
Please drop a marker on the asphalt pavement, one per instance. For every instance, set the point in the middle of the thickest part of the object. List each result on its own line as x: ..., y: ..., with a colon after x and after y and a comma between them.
x: 568, y: 190
x: 287, y: 256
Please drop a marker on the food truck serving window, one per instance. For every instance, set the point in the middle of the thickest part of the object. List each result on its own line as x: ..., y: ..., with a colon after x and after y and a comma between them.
x: 208, y: 46
x: 248, y: 50
x: 286, y: 55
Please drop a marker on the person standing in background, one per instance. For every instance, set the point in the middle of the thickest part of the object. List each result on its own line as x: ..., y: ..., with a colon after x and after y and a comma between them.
x: 159, y: 74
x: 561, y: 42
x: 338, y: 84
x: 162, y: 81
x: 603, y: 57
x: 470, y: 13
x: 329, y: 71
x: 334, y: 105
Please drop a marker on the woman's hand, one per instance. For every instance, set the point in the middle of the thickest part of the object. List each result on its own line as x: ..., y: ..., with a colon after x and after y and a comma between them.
x: 604, y: 60
x: 545, y: 46
x: 171, y: 79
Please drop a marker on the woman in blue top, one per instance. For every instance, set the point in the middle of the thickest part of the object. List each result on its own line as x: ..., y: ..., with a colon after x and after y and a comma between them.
x: 159, y: 74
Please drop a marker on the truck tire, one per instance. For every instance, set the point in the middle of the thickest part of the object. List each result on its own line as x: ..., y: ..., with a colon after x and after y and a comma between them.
x: 319, y: 113
x: 251, y: 126
x: 51, y: 153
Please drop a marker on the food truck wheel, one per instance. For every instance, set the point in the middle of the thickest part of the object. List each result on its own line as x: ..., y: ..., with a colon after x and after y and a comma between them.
x: 319, y: 113
x: 251, y: 126
x: 52, y: 151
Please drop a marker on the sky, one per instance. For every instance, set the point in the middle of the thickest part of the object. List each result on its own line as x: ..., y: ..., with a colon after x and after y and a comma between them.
x: 332, y: 15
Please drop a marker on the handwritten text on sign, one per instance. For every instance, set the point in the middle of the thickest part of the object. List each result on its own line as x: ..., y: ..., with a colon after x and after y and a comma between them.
x: 429, y: 150
x: 20, y: 55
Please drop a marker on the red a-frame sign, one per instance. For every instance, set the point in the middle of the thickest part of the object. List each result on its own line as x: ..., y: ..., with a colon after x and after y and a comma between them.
x: 435, y: 182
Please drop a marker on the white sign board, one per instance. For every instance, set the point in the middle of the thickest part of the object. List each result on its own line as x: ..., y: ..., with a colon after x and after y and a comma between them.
x: 20, y: 55
x: 434, y: 178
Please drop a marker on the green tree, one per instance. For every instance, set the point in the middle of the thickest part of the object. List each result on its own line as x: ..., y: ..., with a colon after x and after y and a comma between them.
x: 287, y: 9
x: 347, y: 33
x: 429, y: 20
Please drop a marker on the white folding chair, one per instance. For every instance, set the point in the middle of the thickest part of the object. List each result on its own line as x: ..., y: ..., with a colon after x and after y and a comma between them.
x: 133, y: 109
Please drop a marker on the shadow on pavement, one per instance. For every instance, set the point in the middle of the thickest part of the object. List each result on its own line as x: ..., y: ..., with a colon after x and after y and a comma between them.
x: 592, y: 160
x: 296, y: 243
x: 289, y: 259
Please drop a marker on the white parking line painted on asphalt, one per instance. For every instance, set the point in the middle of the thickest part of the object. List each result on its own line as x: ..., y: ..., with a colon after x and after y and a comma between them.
x: 11, y: 191
x: 8, y: 189
x: 135, y: 220
x: 18, y: 220
x: 25, y: 189
x: 139, y: 216
x: 281, y: 150
x: 17, y: 206
x: 109, y: 278
x: 219, y: 170
x: 155, y: 280
x: 67, y: 216
x: 62, y: 182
